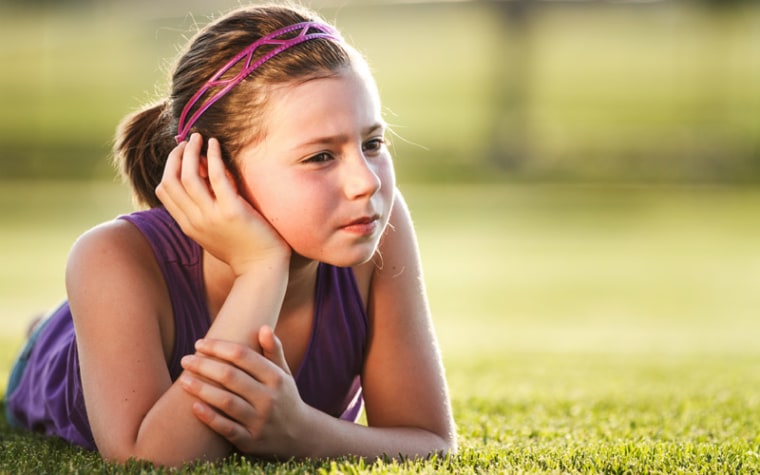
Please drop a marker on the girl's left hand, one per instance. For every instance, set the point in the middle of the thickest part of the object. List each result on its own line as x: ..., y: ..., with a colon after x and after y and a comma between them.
x: 201, y: 195
x: 248, y: 398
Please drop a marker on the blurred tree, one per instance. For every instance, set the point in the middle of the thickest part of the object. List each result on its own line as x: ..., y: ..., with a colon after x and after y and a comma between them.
x: 509, y: 147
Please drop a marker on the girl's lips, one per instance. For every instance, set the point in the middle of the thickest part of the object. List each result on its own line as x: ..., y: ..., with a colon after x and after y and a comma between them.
x: 364, y: 226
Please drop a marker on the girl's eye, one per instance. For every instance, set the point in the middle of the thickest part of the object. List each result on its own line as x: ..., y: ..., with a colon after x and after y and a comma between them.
x: 319, y: 158
x: 374, y: 145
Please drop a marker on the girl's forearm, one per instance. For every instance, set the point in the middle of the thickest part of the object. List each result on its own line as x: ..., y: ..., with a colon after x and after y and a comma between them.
x: 326, y: 436
x: 255, y: 300
x: 170, y: 434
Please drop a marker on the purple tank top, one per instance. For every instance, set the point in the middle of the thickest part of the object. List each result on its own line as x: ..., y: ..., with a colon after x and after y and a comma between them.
x: 49, y: 397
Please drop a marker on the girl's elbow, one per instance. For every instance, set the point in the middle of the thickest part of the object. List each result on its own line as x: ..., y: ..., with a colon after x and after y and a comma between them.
x: 118, y: 455
x: 440, y: 445
x: 448, y: 445
x: 124, y: 455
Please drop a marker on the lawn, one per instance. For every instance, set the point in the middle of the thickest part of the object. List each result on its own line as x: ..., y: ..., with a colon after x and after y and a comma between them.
x: 585, y: 329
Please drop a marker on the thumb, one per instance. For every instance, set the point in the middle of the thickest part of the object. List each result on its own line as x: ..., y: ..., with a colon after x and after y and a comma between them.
x: 271, y: 348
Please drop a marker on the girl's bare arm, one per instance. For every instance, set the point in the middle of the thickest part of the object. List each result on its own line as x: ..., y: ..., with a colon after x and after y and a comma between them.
x: 123, y: 315
x: 407, y: 404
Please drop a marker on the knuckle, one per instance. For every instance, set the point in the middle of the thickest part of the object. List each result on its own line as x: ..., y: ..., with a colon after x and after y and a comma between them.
x: 278, y: 380
x: 164, y: 186
x: 186, y: 179
x: 226, y: 375
x: 227, y: 430
x: 256, y: 431
x: 227, y: 403
x: 228, y: 213
x: 167, y: 187
x: 237, y: 353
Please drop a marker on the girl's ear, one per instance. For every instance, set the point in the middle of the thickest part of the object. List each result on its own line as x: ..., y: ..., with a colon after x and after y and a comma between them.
x: 233, y: 180
x: 203, y: 167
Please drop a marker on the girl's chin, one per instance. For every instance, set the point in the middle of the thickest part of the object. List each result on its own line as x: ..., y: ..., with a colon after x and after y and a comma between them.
x: 348, y: 262
x: 339, y: 260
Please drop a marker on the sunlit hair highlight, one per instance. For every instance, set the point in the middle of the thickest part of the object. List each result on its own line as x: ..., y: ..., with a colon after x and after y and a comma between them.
x: 145, y: 138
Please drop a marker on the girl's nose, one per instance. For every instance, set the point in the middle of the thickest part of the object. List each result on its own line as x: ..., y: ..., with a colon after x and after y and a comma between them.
x: 362, y: 178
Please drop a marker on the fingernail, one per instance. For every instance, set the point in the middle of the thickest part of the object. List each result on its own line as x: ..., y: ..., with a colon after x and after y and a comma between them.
x: 187, y: 360
x: 199, y: 408
x: 186, y: 381
x: 200, y: 344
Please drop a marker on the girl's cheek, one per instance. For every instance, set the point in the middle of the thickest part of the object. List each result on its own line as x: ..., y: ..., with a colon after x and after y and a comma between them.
x: 388, y: 176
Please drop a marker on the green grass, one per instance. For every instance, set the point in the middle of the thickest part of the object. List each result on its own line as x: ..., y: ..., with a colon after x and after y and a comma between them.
x: 545, y: 414
x: 584, y: 329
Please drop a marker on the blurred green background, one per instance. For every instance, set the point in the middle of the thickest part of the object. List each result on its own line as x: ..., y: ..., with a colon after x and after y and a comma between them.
x: 663, y: 91
x: 582, y: 174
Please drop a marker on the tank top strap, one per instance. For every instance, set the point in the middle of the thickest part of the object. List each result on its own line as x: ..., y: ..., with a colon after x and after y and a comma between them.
x: 169, y: 243
x: 181, y: 262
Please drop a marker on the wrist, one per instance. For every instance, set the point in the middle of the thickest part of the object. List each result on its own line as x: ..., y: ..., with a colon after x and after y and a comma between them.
x: 254, y: 299
x: 308, y: 438
x: 276, y: 260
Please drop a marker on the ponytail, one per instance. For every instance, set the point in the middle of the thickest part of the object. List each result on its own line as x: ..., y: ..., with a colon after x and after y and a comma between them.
x: 143, y: 142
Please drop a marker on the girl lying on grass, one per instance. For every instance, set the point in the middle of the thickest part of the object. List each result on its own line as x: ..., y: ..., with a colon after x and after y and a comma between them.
x: 272, y: 287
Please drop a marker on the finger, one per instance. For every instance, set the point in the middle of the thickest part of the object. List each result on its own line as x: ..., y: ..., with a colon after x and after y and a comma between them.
x: 167, y: 188
x: 221, y: 183
x: 234, y: 432
x: 271, y: 347
x: 243, y: 357
x: 174, y: 161
x: 197, y: 188
x: 171, y: 192
x: 171, y: 170
x: 227, y: 375
x: 227, y: 402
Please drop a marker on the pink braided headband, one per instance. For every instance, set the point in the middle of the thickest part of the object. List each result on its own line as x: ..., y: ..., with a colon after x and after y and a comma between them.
x: 324, y: 31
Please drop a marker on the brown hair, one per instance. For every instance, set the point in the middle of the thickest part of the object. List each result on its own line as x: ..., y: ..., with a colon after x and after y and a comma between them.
x: 145, y: 138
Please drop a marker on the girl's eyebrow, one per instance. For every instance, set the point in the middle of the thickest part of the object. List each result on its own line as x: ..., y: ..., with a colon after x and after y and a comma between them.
x: 341, y: 138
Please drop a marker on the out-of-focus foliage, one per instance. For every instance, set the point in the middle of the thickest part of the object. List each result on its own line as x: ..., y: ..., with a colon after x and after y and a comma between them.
x: 653, y: 92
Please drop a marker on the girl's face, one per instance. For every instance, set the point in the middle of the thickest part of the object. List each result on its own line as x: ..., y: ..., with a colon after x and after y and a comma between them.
x: 322, y: 175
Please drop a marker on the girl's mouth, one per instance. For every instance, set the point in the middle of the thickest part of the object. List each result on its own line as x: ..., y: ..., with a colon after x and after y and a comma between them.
x: 363, y: 226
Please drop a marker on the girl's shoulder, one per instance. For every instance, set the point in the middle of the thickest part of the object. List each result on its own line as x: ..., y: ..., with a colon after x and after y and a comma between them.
x: 140, y: 237
x: 169, y: 242
x: 114, y: 278
x: 109, y: 240
x: 114, y: 254
x: 122, y: 256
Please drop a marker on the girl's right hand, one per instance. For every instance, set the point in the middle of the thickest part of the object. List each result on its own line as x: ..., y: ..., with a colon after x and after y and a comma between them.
x: 209, y: 209
x: 248, y: 397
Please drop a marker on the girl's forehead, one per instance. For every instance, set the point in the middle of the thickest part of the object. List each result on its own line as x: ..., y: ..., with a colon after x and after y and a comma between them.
x: 323, y: 109
x: 347, y: 90
x: 286, y: 90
